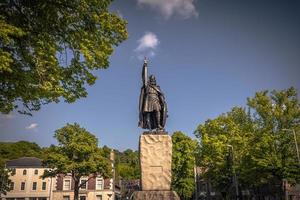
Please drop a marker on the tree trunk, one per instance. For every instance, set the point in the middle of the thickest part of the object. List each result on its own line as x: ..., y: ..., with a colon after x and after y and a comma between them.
x: 76, y: 188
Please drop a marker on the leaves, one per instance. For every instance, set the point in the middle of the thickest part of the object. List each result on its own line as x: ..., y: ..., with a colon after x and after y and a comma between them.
x: 77, y: 152
x: 128, y: 165
x: 4, y: 178
x: 263, y: 153
x: 49, y: 49
x: 183, y: 163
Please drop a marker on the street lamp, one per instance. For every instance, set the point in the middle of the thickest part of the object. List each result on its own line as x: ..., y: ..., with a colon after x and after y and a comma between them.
x: 112, y: 159
x: 234, y: 174
x: 296, y: 144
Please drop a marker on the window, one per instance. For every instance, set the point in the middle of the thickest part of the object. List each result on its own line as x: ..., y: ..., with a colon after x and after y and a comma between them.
x: 34, y: 186
x: 99, y: 184
x: 42, y: 198
x: 83, y: 186
x: 36, y: 172
x: 44, y: 185
x: 82, y: 198
x: 66, y: 197
x: 99, y: 197
x: 24, y: 172
x: 67, y: 184
x: 23, y: 186
x: 33, y: 198
x: 12, y: 185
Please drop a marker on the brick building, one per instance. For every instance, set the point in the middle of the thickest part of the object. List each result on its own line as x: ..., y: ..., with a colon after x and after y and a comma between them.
x: 94, y: 189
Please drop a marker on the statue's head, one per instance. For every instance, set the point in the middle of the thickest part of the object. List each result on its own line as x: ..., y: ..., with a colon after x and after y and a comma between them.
x: 152, y: 80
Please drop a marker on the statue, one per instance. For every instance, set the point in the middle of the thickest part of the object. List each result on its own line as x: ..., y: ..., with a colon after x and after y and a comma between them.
x: 152, y: 104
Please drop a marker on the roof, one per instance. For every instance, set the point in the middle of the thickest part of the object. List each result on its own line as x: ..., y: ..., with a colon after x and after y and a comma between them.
x: 24, y: 162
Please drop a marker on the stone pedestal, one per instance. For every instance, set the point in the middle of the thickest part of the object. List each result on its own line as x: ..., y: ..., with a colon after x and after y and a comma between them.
x: 156, y: 160
x: 156, y: 173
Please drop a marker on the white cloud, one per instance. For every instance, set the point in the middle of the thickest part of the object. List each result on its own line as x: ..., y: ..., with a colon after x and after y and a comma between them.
x: 32, y: 126
x: 183, y: 8
x: 148, y: 41
x: 147, y: 45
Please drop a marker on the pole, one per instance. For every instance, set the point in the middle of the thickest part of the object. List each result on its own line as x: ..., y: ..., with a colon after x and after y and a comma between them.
x: 112, y: 158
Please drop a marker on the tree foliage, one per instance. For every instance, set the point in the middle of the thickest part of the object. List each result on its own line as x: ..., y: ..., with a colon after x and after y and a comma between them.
x: 264, y: 152
x: 4, y: 178
x: 49, y: 49
x: 77, y: 154
x: 183, y: 163
x: 127, y: 164
x: 9, y: 150
x: 233, y: 128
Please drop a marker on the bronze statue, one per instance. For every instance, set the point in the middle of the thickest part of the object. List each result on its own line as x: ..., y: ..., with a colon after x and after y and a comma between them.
x: 152, y: 105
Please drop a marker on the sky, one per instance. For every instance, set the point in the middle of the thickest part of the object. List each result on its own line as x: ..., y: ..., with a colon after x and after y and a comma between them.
x: 207, y: 55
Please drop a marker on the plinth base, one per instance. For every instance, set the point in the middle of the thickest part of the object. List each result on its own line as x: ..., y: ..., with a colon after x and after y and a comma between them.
x: 155, y: 161
x: 155, y: 195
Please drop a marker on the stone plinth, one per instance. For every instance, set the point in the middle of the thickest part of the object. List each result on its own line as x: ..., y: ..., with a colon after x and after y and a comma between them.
x: 155, y: 160
x: 155, y: 195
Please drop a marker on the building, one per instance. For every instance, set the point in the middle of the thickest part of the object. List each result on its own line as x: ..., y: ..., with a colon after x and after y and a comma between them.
x: 27, y: 183
x: 94, y: 188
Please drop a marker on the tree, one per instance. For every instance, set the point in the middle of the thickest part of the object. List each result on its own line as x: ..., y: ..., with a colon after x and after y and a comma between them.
x: 49, y: 49
x: 9, y: 150
x: 128, y: 165
x: 183, y: 163
x: 274, y: 149
x: 233, y: 128
x: 264, y: 154
x: 77, y: 154
x: 4, y: 179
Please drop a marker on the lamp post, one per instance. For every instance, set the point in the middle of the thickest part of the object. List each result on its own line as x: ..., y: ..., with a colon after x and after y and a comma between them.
x: 296, y: 144
x: 234, y: 173
x: 112, y: 159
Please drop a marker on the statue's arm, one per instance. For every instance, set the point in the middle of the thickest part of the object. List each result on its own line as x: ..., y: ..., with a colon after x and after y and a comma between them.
x: 145, y: 73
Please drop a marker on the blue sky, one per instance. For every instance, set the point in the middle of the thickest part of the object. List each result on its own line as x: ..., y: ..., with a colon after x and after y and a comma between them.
x: 207, y: 55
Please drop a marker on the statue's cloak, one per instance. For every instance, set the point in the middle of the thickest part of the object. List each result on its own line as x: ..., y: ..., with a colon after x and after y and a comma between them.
x: 143, y: 121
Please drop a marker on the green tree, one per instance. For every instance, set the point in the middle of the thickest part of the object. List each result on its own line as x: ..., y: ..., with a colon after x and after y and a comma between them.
x: 77, y: 154
x: 106, y: 151
x: 264, y: 154
x: 273, y: 148
x: 233, y: 128
x: 10, y: 150
x: 183, y: 163
x: 49, y: 49
x: 127, y: 164
x: 4, y: 178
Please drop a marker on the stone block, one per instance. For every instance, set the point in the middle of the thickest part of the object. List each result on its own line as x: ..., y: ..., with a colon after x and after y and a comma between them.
x: 155, y: 161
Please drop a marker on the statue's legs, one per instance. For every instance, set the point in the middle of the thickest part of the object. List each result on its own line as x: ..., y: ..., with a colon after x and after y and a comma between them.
x: 158, y: 119
x: 148, y: 120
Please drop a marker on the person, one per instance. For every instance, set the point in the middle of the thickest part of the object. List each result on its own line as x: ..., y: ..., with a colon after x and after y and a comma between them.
x: 152, y: 104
